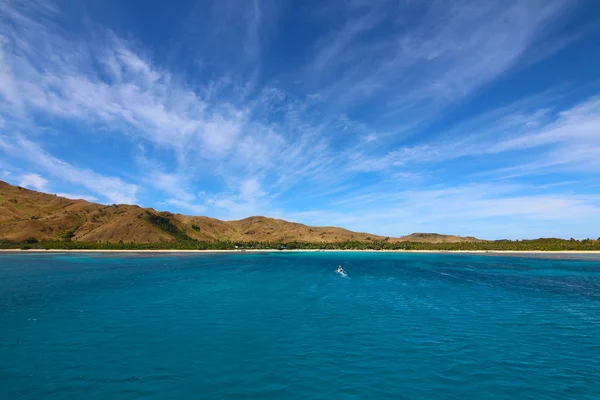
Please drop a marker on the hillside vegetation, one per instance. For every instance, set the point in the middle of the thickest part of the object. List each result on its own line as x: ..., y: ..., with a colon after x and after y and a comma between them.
x: 30, y: 220
x: 27, y: 214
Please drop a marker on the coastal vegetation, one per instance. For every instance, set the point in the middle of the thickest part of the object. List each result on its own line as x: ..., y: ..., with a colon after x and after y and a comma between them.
x: 163, y: 222
x: 550, y: 244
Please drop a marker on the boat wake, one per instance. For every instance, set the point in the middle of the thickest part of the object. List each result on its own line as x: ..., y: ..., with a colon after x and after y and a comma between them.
x: 340, y: 271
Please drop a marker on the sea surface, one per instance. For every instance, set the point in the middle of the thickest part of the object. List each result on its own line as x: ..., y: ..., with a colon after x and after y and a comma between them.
x: 286, y: 326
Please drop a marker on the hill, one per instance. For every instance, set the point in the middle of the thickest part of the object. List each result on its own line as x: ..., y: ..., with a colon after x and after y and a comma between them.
x: 436, y: 238
x: 28, y: 214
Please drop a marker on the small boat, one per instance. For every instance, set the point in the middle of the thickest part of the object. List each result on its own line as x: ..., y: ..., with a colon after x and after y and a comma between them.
x: 341, y: 271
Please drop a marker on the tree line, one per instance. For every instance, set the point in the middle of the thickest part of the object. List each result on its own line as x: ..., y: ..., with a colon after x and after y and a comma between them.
x: 185, y: 243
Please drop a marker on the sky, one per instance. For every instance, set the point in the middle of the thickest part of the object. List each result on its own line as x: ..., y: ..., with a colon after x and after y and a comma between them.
x: 390, y: 117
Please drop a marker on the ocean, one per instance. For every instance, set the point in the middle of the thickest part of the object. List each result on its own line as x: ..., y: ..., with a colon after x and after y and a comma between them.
x: 284, y: 325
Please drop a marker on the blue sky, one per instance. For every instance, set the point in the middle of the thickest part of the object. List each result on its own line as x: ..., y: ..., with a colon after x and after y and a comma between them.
x: 460, y: 117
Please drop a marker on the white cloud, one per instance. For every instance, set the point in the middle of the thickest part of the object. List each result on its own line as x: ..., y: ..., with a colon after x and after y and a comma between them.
x: 489, y: 211
x: 253, y: 145
x: 196, y: 209
x: 250, y: 190
x: 370, y: 137
x: 230, y: 35
x: 247, y: 198
x: 113, y: 189
x: 77, y: 196
x: 439, y: 52
x: 199, y: 125
x: 567, y: 140
x: 175, y: 185
x: 138, y: 97
x: 205, y: 126
x: 171, y: 184
x: 34, y: 181
x: 334, y: 49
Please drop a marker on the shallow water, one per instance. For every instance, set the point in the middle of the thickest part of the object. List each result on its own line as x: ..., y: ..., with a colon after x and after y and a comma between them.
x: 286, y: 326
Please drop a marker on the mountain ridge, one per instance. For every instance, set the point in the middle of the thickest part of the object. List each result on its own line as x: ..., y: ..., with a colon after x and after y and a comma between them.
x: 26, y: 214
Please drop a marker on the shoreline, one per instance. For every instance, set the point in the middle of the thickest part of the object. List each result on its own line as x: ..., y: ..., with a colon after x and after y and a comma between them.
x: 305, y: 251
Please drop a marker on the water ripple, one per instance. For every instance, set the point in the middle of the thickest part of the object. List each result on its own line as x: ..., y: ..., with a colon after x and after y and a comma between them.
x: 275, y: 326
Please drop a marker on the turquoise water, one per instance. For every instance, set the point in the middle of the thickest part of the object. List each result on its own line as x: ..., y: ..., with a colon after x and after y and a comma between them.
x: 286, y: 326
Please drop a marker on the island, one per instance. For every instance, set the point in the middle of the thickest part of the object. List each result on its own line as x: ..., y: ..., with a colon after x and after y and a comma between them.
x: 31, y: 220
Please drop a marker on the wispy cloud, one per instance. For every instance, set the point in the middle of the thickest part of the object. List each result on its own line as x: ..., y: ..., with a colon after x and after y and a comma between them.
x: 130, y: 94
x: 73, y: 196
x: 488, y: 211
x: 562, y: 139
x: 229, y: 36
x: 175, y: 185
x: 439, y: 52
x: 34, y: 181
x: 221, y: 123
x: 245, y: 199
x: 193, y: 208
x: 112, y: 189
